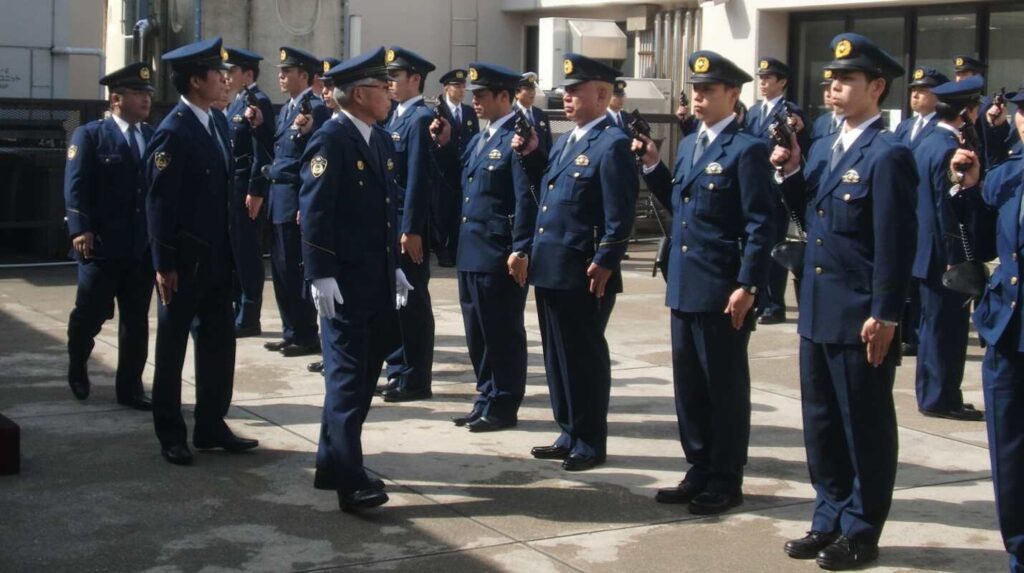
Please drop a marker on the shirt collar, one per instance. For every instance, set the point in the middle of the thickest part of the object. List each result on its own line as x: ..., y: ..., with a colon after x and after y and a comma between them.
x: 928, y: 117
x: 580, y: 131
x: 364, y: 129
x: 849, y: 136
x: 453, y: 105
x: 407, y: 104
x: 522, y: 107
x: 773, y: 102
x: 714, y: 131
x: 121, y: 124
x: 944, y: 125
x: 202, y: 115
x: 298, y: 97
x: 493, y: 127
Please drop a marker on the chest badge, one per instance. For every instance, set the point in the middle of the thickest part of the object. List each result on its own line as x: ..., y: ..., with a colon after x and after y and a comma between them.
x: 360, y: 165
x: 851, y: 176
x: 391, y: 165
x: 582, y: 160
x: 161, y: 159
x: 541, y: 123
x: 317, y: 166
x: 494, y: 154
x: 395, y: 137
x: 72, y: 152
x: 237, y: 118
x: 713, y: 169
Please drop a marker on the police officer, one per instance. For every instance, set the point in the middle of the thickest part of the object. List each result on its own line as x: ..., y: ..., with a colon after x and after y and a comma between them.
x: 526, y: 95
x: 297, y: 69
x: 859, y: 189
x: 773, y: 78
x: 187, y: 206
x: 327, y: 87
x: 829, y: 122
x: 350, y: 247
x: 944, y: 320
x: 998, y: 318
x: 251, y: 150
x: 994, y: 134
x: 616, y: 103
x: 103, y: 201
x: 587, y: 204
x: 721, y: 197
x: 410, y: 363
x: 498, y: 213
x: 448, y: 199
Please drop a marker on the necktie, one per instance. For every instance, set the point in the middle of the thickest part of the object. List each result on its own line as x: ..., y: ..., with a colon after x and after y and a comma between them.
x: 481, y: 143
x: 458, y: 116
x: 133, y: 144
x: 837, y: 155
x: 764, y: 113
x: 618, y: 119
x: 287, y: 112
x: 702, y: 144
x: 211, y: 129
x: 568, y: 145
x: 917, y: 127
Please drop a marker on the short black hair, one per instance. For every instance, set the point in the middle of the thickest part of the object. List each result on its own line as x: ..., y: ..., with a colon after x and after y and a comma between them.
x: 181, y: 78
x: 496, y: 91
x: 254, y: 69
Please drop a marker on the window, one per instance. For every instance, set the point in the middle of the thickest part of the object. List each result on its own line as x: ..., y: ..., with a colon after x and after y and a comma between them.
x: 1005, y: 29
x: 943, y: 34
x: 812, y: 41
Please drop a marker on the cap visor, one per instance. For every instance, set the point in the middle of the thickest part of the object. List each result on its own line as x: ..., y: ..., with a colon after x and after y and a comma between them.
x: 572, y: 82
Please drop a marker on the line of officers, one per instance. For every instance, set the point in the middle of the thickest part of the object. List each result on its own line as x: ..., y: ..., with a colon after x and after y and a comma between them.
x: 363, y: 182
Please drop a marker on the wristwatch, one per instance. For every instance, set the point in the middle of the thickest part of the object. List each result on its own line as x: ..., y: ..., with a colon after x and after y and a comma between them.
x: 751, y: 289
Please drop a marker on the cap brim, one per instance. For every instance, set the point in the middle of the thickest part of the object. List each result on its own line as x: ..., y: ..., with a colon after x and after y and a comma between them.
x: 572, y: 82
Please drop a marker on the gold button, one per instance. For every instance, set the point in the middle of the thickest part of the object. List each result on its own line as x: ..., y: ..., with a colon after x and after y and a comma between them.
x: 576, y: 175
x: 490, y: 168
x: 685, y: 248
x: 673, y: 180
x: 551, y: 185
x: 387, y: 200
x: 470, y: 178
x: 711, y: 186
x: 846, y: 197
x: 821, y: 212
x: 544, y: 209
x: 684, y: 224
x: 817, y: 242
x: 360, y: 183
x: 818, y: 270
x: 1013, y: 281
x: 541, y: 230
x: 389, y: 224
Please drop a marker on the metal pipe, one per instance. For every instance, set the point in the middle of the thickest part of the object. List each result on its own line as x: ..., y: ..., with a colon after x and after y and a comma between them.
x: 72, y: 51
x: 655, y: 49
x: 197, y: 33
x: 687, y: 45
x: 677, y: 46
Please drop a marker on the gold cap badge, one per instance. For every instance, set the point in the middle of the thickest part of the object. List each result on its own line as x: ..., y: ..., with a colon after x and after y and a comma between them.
x: 567, y: 67
x: 827, y: 74
x: 764, y: 64
x: 473, y: 74
x: 284, y: 55
x: 843, y: 49
x: 959, y: 62
x: 918, y: 74
x: 702, y: 65
x: 327, y: 67
x: 144, y: 73
x: 223, y: 54
x: 390, y: 57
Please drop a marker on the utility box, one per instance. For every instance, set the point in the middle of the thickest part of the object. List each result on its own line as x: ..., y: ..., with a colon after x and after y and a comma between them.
x: 598, y: 39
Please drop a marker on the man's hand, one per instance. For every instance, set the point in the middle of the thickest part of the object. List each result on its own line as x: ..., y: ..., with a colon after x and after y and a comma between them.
x: 412, y: 245
x: 878, y: 337
x: 598, y: 279
x: 253, y: 204
x: 402, y: 289
x: 525, y: 148
x: 441, y: 131
x: 83, y: 244
x: 325, y: 293
x: 787, y: 160
x: 740, y: 302
x: 166, y: 285
x: 796, y: 122
x: 298, y: 217
x: 966, y: 162
x: 303, y: 123
x: 517, y: 268
x: 683, y: 112
x: 650, y: 158
x: 254, y: 115
x: 996, y: 115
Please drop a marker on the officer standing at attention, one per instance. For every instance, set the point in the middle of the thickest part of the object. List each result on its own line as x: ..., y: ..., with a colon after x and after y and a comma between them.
x: 104, y: 203
x: 830, y: 122
x: 998, y: 318
x: 498, y: 214
x: 721, y: 199
x: 616, y: 103
x: 448, y: 199
x: 350, y: 246
x: 411, y: 361
x: 298, y: 317
x: 327, y: 87
x: 859, y: 189
x: 526, y: 95
x: 587, y: 205
x: 251, y: 150
x: 772, y: 79
x: 190, y: 182
x: 944, y: 313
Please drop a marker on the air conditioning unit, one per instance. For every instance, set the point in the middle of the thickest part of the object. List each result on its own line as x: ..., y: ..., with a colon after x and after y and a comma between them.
x: 598, y: 39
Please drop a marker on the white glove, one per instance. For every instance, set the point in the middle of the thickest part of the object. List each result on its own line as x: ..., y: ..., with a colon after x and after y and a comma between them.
x: 402, y: 288
x: 325, y: 293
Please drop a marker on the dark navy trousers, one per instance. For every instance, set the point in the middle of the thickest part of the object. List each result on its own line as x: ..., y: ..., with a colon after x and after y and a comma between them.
x: 298, y: 316
x: 945, y: 325
x: 411, y: 362
x: 249, y: 277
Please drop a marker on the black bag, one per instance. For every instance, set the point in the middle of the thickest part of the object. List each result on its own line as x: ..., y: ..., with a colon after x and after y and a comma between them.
x: 790, y: 255
x: 966, y: 278
x: 661, y: 261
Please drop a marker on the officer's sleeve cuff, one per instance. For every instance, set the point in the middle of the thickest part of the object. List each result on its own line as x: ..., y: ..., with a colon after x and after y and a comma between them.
x: 779, y: 177
x: 649, y: 170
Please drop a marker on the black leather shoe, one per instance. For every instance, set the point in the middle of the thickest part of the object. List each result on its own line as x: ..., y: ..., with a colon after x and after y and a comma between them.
x: 78, y: 380
x: 965, y: 413
x: 845, y: 553
x: 225, y: 440
x: 488, y: 424
x: 317, y: 366
x: 712, y: 503
x: 463, y: 420
x: 324, y: 479
x: 406, y: 395
x: 908, y: 349
x: 808, y: 546
x: 771, y: 318
x: 275, y: 346
x: 178, y: 454
x: 391, y: 384
x: 361, y: 499
x: 445, y: 259
x: 248, y: 331
x: 292, y: 350
x: 139, y: 402
x: 682, y: 493
x: 578, y: 463
x: 550, y: 452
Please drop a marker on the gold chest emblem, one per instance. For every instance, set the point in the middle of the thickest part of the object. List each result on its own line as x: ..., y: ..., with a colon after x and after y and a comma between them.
x: 318, y: 165
x: 582, y: 160
x: 72, y: 152
x: 161, y: 159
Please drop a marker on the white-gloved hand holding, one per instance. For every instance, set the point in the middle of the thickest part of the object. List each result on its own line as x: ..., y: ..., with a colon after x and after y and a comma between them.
x: 325, y: 293
x: 402, y: 288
